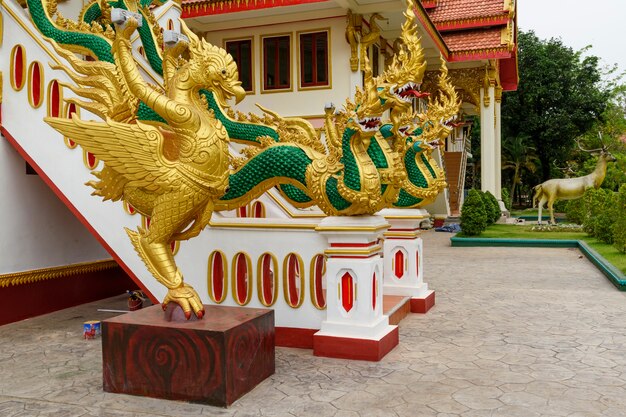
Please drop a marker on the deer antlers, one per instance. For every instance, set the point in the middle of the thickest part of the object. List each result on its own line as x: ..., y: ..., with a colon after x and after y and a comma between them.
x: 604, y: 147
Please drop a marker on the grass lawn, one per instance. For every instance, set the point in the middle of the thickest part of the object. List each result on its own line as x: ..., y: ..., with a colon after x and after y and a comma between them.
x: 507, y: 231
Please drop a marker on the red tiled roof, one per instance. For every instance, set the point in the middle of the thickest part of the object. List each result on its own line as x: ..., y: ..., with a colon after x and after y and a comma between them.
x: 467, y: 40
x: 455, y: 10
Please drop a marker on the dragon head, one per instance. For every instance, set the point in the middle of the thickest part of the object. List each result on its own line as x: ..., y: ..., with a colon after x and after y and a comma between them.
x: 364, y: 114
x: 400, y: 84
x: 213, y: 68
x: 442, y: 111
x: 410, y: 135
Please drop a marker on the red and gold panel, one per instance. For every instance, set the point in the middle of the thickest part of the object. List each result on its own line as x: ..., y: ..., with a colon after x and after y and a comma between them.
x: 35, y: 84
x: 258, y: 210
x: 217, y: 277
x: 90, y: 160
x: 242, y: 279
x: 129, y: 208
x: 318, y: 281
x: 293, y: 280
x: 18, y: 67
x: 347, y: 291
x: 374, y: 291
x: 267, y: 279
x: 71, y: 108
x: 55, y: 99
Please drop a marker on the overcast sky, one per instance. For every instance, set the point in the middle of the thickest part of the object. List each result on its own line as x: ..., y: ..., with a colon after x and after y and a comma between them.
x: 600, y: 23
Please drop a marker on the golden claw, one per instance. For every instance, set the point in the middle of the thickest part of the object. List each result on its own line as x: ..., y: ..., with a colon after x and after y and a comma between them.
x: 187, y: 298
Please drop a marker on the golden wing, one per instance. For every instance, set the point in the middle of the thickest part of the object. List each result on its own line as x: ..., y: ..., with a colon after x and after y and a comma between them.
x: 102, y: 84
x: 135, y: 151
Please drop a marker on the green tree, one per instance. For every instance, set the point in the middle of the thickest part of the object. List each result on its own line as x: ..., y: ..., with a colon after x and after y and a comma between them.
x: 473, y: 214
x: 560, y: 95
x: 518, y: 156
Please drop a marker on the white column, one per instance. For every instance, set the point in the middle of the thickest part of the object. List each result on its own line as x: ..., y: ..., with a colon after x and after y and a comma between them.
x: 355, y: 326
x: 498, y: 151
x: 487, y: 140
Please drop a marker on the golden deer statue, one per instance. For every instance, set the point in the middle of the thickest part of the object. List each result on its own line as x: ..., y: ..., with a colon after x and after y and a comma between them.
x: 572, y: 188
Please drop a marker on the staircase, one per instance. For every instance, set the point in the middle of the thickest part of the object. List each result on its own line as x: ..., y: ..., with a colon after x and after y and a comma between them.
x: 454, y: 168
x: 31, y: 91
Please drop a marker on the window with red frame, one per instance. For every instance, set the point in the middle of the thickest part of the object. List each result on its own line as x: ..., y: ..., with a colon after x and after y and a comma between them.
x: 276, y: 63
x: 314, y: 59
x: 241, y: 51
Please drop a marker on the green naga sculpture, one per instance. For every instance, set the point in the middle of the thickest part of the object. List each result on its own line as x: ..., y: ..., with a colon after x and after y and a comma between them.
x: 165, y: 147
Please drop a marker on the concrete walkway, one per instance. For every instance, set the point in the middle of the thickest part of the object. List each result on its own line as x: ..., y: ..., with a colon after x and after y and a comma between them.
x: 515, y: 332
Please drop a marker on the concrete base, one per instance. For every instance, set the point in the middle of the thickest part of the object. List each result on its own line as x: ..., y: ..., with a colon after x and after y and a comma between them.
x: 423, y: 304
x: 355, y: 348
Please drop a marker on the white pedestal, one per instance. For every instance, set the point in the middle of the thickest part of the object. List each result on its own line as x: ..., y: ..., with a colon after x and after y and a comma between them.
x: 403, y: 258
x: 355, y: 327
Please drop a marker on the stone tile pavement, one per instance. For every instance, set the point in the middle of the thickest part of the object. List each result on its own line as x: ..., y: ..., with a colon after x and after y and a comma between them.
x: 515, y: 332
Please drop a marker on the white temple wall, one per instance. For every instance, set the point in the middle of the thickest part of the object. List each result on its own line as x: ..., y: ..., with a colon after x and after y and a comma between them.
x: 296, y: 102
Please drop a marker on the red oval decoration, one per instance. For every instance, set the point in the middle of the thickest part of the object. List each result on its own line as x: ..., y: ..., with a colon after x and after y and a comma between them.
x: 258, y: 209
x: 91, y: 160
x: 18, y: 67
x: 347, y: 291
x: 35, y: 84
x: 217, y: 276
x: 241, y: 278
x: 417, y: 263
x: 374, y: 290
x: 267, y: 279
x: 318, y: 281
x: 293, y: 278
x: 398, y: 266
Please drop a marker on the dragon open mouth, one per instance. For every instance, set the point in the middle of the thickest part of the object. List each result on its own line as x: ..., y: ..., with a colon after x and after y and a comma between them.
x: 369, y: 124
x: 404, y: 130
x: 451, y: 122
x: 409, y: 91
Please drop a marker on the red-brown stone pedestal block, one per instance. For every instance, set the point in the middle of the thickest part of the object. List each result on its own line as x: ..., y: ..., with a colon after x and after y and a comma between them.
x: 215, y: 360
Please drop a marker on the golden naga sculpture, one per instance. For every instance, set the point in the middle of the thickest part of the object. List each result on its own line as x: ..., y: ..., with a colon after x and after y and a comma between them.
x: 172, y: 171
x: 572, y: 188
x: 165, y: 148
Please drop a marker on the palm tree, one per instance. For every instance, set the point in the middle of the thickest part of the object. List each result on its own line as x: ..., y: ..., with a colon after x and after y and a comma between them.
x: 519, y: 156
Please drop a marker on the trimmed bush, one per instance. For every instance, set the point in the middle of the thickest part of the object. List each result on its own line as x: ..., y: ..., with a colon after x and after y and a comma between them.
x: 473, y: 214
x: 575, y: 211
x: 619, y: 227
x: 495, y: 207
x: 559, y: 206
x: 599, y: 216
x: 506, y: 198
x: 607, y: 217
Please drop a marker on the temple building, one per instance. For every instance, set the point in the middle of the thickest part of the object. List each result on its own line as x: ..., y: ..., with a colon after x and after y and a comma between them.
x: 294, y: 57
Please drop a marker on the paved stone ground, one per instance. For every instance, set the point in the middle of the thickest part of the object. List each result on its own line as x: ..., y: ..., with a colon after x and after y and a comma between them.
x: 515, y: 332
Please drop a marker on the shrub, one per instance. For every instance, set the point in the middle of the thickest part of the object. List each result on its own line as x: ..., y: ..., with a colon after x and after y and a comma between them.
x: 619, y: 227
x: 489, y: 206
x: 599, y: 217
x: 495, y: 207
x: 607, y: 217
x: 559, y: 206
x: 575, y: 211
x: 473, y: 214
x: 506, y: 198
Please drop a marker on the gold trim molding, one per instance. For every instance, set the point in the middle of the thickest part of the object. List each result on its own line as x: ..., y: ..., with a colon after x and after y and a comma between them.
x: 45, y: 274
